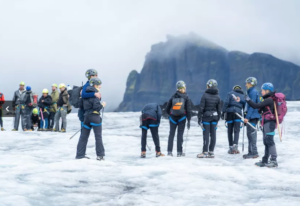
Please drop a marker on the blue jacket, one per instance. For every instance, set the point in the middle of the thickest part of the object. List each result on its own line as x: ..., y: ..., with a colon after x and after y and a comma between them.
x: 252, y: 113
x: 87, y: 95
x: 153, y: 110
x: 230, y: 105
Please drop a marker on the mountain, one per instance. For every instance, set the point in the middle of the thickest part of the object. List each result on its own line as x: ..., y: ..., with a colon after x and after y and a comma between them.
x: 195, y: 60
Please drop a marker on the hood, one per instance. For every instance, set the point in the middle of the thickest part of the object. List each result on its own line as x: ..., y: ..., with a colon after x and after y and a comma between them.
x: 182, y: 95
x: 270, y: 94
x: 212, y: 91
x: 91, y: 89
x: 238, y: 91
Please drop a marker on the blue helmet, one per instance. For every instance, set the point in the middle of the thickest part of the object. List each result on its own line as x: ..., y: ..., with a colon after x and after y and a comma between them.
x: 268, y: 86
x: 28, y: 88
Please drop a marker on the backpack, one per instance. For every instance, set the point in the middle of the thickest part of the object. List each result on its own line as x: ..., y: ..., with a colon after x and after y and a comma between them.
x: 178, y: 106
x: 281, y: 107
x: 75, y: 96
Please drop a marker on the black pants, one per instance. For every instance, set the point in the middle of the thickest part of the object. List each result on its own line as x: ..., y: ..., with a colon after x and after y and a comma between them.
x: 1, y: 121
x: 210, y: 129
x: 174, y: 123
x: 153, y: 126
x: 270, y: 148
x: 91, y: 121
x: 51, y: 120
x: 233, y: 125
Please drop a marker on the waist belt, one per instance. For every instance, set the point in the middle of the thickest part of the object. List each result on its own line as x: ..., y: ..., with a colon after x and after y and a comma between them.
x: 95, y: 112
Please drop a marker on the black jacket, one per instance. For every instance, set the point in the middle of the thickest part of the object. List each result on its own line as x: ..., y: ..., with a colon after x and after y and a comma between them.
x: 34, y: 119
x: 47, y: 102
x: 92, y: 104
x: 263, y: 106
x: 188, y: 104
x: 210, y: 106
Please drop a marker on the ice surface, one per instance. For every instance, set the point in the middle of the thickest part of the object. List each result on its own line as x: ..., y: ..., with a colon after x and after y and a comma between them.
x: 38, y: 168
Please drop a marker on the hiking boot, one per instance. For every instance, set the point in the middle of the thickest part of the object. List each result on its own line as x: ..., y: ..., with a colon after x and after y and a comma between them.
x: 211, y: 155
x: 230, y: 151
x: 159, y: 154
x: 202, y: 155
x: 54, y: 130
x: 63, y: 131
x: 260, y: 164
x: 29, y: 130
x: 45, y: 130
x: 14, y: 130
x: 2, y: 129
x: 272, y: 163
x: 85, y: 157
x: 50, y: 130
x: 25, y: 130
x: 250, y: 156
x: 143, y: 155
x: 235, y: 149
x: 179, y: 154
x: 170, y: 154
x: 100, y: 158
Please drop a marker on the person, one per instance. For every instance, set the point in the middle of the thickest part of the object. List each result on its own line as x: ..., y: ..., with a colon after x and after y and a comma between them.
x: 2, y: 101
x: 62, y: 109
x: 209, y: 114
x: 27, y: 103
x: 53, y: 107
x: 269, y: 125
x: 19, y: 94
x: 35, y: 119
x: 44, y: 105
x: 150, y: 119
x: 252, y: 116
x: 231, y: 107
x: 92, y: 108
x: 179, y: 109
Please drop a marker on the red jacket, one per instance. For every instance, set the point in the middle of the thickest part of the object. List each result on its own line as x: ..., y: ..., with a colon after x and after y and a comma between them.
x: 2, y: 100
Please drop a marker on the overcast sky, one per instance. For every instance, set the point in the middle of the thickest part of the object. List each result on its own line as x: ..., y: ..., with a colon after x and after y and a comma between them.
x: 45, y: 42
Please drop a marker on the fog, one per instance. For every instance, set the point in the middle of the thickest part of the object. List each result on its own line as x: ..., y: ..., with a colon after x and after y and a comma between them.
x: 46, y: 42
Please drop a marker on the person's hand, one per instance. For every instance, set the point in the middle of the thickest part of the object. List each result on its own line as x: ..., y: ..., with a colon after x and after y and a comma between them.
x: 14, y: 108
x: 223, y: 115
x: 188, y: 125
x: 42, y: 100
x: 30, y: 104
x: 246, y: 121
x: 247, y: 98
x: 98, y: 95
x: 238, y: 99
x: 39, y: 118
x: 103, y: 104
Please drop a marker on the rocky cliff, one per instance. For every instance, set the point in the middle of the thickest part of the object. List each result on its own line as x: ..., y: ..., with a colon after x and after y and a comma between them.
x: 195, y: 60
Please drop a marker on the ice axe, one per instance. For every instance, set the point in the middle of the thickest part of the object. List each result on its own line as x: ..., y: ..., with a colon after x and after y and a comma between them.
x: 186, y: 139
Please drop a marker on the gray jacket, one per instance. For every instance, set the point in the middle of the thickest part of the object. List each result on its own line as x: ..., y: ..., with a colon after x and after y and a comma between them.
x: 17, y: 97
x: 153, y: 110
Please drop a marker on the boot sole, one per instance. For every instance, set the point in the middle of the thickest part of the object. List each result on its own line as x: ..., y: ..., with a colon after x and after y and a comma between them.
x: 251, y: 157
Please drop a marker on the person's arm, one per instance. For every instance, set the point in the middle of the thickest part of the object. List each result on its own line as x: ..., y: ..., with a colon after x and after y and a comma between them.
x: 219, y: 109
x: 97, y: 106
x: 48, y: 101
x: 87, y: 95
x: 253, y: 97
x: 159, y: 113
x: 169, y: 105
x: 226, y: 102
x: 260, y: 105
x: 201, y: 108
x: 188, y: 109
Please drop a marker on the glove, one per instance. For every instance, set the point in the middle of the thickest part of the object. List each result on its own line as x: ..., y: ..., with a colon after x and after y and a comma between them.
x: 247, y: 98
x: 188, y: 125
x: 223, y: 115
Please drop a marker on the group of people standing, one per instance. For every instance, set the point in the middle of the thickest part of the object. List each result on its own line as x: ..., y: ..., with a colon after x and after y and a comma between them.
x: 239, y: 110
x: 43, y: 113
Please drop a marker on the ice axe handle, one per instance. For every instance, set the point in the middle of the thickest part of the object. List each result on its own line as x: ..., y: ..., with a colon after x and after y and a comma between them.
x: 244, y: 119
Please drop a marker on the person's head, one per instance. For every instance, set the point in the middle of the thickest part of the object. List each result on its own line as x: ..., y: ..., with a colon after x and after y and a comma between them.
x: 212, y: 84
x: 91, y: 73
x: 181, y: 86
x: 35, y: 111
x: 54, y: 87
x: 251, y: 82
x: 22, y: 86
x: 45, y: 92
x: 96, y: 83
x: 266, y: 88
x: 62, y: 87
x: 237, y: 87
x: 28, y: 88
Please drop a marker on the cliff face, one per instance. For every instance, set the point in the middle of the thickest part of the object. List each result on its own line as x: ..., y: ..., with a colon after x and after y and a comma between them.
x: 195, y: 61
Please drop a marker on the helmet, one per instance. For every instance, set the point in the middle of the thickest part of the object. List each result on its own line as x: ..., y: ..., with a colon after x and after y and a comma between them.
x: 237, y: 87
x: 180, y: 85
x: 91, y: 72
x: 28, y: 88
x: 95, y: 81
x: 252, y: 81
x: 62, y: 85
x: 45, y: 91
x: 268, y: 86
x: 54, y: 85
x: 22, y: 83
x: 212, y: 83
x: 35, y: 111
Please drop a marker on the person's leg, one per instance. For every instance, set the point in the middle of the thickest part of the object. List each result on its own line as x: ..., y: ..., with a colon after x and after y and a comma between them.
x: 96, y: 123
x: 180, y: 132
x: 249, y: 136
x: 1, y: 121
x: 253, y: 135
x: 83, y: 140
x: 17, y: 118
x: 269, y: 129
x: 144, y: 140
x: 206, y: 132
x: 64, y: 117
x: 213, y: 136
x: 237, y: 128
x: 155, y: 137
x: 229, y: 121
x: 171, y: 136
x: 51, y: 120
x: 56, y: 120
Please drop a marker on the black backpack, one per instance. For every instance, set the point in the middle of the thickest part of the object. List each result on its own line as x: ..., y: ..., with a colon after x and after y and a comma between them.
x: 178, y: 106
x: 75, y: 96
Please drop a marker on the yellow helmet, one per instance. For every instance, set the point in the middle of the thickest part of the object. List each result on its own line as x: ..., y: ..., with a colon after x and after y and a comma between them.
x: 54, y: 85
x: 35, y: 111
x: 45, y: 91
x: 22, y: 83
x: 62, y: 85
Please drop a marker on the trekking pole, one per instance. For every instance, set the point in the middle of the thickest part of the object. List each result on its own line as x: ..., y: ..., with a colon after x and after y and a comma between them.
x: 148, y: 147
x: 277, y: 122
x: 75, y: 133
x: 42, y: 117
x: 186, y: 139
x: 243, y: 137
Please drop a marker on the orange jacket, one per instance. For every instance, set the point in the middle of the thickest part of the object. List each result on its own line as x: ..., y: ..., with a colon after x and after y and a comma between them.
x: 2, y: 100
